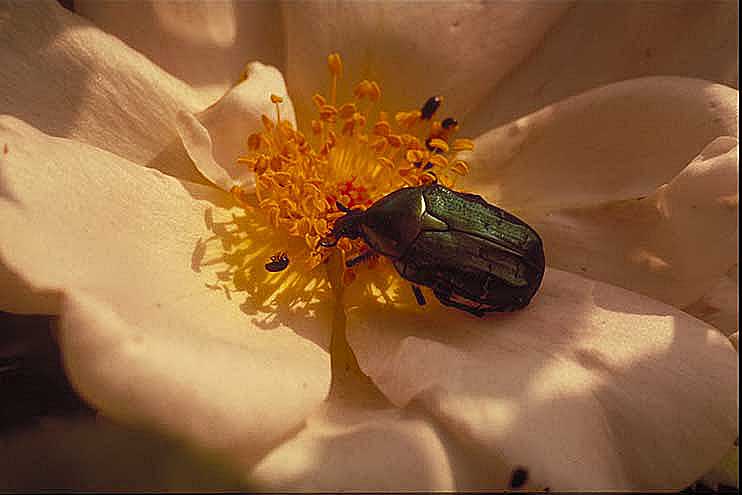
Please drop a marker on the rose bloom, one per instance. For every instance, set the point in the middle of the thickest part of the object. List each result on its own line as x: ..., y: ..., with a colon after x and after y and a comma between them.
x: 147, y: 175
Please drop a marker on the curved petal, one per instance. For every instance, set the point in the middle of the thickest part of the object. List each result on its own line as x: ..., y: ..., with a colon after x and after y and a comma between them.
x: 205, y: 44
x: 359, y: 442
x: 216, y: 137
x: 631, y: 393
x: 620, y: 141
x: 239, y: 400
x: 718, y: 307
x: 347, y: 448
x: 70, y: 79
x: 414, y: 50
x: 598, y: 43
x: 77, y: 221
x: 673, y: 245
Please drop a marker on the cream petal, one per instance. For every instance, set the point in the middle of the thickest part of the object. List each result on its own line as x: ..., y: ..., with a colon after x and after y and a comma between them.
x: 620, y: 141
x: 237, y: 400
x: 673, y: 245
x: 344, y: 447
x: 414, y: 50
x: 598, y: 43
x: 216, y: 137
x: 359, y: 442
x: 70, y: 79
x: 78, y: 220
x: 718, y: 307
x: 205, y: 44
x: 91, y: 454
x: 590, y: 387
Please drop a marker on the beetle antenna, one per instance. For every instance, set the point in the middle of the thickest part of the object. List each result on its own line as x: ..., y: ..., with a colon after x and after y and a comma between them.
x: 342, y: 207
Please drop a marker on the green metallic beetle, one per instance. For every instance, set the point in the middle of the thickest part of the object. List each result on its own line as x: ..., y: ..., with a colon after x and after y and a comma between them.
x: 474, y: 256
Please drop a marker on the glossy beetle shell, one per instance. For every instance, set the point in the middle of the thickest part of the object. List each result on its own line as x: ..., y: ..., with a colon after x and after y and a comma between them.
x: 473, y: 255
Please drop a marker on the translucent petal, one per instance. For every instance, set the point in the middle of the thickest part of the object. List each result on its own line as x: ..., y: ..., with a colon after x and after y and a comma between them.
x: 631, y: 393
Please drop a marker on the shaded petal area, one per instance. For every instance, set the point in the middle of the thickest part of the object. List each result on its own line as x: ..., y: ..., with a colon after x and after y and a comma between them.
x: 358, y: 441
x: 414, y: 50
x: 599, y: 43
x: 674, y: 245
x: 216, y: 137
x: 205, y: 44
x: 93, y: 454
x: 239, y: 400
x: 348, y: 448
x: 114, y: 248
x: 630, y: 393
x: 70, y: 79
x: 619, y: 141
x: 718, y: 307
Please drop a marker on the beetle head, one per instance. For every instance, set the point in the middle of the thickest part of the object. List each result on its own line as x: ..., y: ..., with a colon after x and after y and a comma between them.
x: 349, y: 225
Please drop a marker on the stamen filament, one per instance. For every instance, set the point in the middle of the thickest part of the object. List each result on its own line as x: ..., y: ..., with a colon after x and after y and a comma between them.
x: 354, y: 156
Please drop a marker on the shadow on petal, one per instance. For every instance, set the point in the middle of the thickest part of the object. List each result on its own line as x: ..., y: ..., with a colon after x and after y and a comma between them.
x: 344, y: 447
x: 581, y: 396
x: 238, y: 253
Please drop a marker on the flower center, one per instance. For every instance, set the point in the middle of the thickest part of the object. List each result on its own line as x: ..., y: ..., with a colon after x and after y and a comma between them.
x: 353, y: 155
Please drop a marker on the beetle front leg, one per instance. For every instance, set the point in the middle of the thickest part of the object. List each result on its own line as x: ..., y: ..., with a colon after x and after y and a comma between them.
x: 359, y: 259
x: 418, y: 295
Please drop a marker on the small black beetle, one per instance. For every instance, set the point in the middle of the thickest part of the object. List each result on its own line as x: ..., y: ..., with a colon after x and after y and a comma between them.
x: 278, y: 263
x: 474, y: 256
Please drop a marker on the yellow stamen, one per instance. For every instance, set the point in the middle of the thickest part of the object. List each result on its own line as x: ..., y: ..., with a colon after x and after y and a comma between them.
x: 463, y: 145
x: 382, y: 128
x: 335, y: 64
x: 277, y: 100
x: 439, y: 144
x: 394, y: 140
x: 347, y: 110
x: 460, y: 167
x: 253, y: 142
x: 354, y: 156
x: 319, y: 100
x: 374, y: 92
x: 414, y: 156
x: 361, y: 89
x: 267, y: 122
x: 439, y: 161
x: 328, y: 113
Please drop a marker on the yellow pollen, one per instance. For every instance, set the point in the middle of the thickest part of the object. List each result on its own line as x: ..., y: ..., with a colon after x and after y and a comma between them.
x: 277, y: 100
x: 335, y: 64
x: 374, y: 92
x: 440, y: 144
x: 463, y: 145
x: 353, y: 156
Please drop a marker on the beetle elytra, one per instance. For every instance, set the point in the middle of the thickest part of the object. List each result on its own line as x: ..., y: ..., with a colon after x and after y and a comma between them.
x: 474, y: 256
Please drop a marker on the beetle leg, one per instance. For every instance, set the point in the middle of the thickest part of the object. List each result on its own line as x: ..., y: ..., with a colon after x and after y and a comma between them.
x: 445, y: 299
x: 327, y: 244
x: 499, y: 309
x: 418, y: 295
x: 359, y: 259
